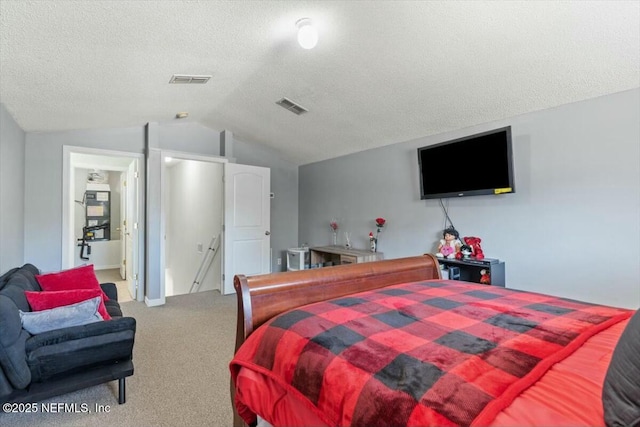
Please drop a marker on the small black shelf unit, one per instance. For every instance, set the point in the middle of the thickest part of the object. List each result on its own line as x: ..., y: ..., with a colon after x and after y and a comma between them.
x: 469, y: 269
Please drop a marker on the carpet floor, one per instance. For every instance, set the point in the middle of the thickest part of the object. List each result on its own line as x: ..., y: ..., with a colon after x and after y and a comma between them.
x: 113, y: 276
x: 181, y: 375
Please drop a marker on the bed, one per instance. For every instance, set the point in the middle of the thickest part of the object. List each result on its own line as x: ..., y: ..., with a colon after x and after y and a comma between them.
x: 389, y: 343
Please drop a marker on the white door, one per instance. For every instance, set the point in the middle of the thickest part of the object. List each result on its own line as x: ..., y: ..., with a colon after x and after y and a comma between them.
x: 122, y: 227
x: 132, y: 234
x: 247, y: 222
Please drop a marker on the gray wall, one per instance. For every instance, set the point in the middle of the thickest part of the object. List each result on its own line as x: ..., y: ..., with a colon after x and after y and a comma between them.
x: 12, y: 154
x: 43, y: 185
x: 189, y: 137
x: 571, y: 229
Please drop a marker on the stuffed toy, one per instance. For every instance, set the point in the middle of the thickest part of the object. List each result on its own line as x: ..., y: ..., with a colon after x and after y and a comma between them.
x: 465, y: 252
x: 450, y: 244
x: 476, y: 249
x: 485, y: 279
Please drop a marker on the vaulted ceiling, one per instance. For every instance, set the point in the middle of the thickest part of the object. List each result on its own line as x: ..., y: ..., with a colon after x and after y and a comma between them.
x: 382, y: 72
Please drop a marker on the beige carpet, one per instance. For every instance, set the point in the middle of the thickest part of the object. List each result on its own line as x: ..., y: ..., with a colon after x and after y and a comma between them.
x: 113, y: 276
x: 181, y: 376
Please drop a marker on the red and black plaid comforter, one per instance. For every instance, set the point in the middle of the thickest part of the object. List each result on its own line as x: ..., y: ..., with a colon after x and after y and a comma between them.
x: 423, y: 353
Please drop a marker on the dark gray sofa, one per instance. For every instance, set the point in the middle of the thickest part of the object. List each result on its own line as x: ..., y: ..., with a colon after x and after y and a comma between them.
x: 36, y: 367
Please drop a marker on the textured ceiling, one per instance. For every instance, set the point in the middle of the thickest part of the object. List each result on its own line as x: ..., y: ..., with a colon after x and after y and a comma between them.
x: 383, y: 71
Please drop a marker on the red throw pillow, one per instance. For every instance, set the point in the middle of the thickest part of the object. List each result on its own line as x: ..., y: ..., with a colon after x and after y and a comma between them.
x: 75, y: 278
x: 52, y: 299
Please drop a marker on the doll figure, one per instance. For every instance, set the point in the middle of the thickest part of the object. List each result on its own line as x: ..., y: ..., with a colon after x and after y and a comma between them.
x: 450, y: 244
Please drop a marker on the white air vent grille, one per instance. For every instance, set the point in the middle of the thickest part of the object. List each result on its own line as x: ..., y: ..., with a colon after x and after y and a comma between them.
x: 188, y: 79
x: 292, y: 106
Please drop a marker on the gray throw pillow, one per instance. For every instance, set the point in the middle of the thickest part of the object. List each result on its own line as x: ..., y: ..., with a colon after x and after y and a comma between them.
x: 81, y: 313
x: 621, y: 388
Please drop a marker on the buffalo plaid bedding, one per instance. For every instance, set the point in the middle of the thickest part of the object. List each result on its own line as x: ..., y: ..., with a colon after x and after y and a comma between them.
x: 435, y: 352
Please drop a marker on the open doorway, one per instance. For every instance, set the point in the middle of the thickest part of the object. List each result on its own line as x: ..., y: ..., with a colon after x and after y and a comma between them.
x: 193, y: 203
x: 102, y: 207
x: 229, y: 197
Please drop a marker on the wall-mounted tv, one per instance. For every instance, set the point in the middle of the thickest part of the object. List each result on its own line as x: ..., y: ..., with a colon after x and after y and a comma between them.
x: 471, y: 166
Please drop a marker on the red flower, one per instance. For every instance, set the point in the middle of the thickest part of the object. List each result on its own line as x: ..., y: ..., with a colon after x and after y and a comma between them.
x: 374, y: 240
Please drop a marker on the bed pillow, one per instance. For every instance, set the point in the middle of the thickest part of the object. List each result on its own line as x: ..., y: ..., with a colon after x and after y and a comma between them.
x: 82, y: 313
x: 45, y: 300
x: 75, y: 278
x: 620, y: 392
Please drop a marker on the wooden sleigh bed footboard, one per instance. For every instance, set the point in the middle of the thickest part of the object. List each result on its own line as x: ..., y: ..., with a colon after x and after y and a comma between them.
x: 264, y: 296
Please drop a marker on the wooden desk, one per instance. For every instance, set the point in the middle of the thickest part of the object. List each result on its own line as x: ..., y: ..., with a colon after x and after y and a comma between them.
x: 339, y: 255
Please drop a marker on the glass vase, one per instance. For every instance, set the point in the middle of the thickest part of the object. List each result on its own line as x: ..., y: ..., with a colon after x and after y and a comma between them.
x: 335, y: 238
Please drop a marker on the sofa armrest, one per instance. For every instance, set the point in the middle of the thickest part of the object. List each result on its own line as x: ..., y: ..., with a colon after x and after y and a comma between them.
x: 83, y: 331
x: 111, y: 290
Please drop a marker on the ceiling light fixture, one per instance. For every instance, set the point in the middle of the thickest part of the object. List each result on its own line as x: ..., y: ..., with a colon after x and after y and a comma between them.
x: 307, y: 33
x: 182, y: 115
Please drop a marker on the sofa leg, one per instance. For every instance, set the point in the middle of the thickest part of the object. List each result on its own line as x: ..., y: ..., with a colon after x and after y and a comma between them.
x: 121, y: 391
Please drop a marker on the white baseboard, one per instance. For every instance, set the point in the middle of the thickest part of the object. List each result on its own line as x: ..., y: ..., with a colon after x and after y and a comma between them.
x: 106, y: 267
x: 154, y: 302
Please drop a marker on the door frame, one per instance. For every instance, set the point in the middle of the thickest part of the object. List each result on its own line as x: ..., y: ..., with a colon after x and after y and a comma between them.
x: 68, y: 239
x: 132, y: 269
x: 163, y: 217
x: 122, y: 227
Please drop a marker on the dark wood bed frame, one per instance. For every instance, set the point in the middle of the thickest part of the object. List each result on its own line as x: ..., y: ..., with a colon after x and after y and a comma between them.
x: 264, y: 296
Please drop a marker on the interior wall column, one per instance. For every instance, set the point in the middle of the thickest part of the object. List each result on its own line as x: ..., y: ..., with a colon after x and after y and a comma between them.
x: 226, y: 144
x: 153, y: 217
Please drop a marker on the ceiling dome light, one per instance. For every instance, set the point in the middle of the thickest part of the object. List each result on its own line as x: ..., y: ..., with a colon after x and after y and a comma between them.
x: 307, y: 33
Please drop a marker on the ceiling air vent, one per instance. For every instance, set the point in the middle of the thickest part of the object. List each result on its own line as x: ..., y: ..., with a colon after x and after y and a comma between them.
x: 292, y: 106
x: 188, y: 79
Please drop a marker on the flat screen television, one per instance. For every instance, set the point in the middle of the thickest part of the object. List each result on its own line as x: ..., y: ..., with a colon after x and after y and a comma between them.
x: 471, y: 166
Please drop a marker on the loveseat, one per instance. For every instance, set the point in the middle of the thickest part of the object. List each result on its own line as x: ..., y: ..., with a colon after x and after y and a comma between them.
x: 38, y: 366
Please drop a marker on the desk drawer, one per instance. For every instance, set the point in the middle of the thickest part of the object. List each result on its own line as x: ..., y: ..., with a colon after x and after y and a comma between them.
x: 348, y: 259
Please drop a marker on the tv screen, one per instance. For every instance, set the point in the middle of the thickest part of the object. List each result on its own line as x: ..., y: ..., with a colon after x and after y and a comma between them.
x: 471, y: 166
